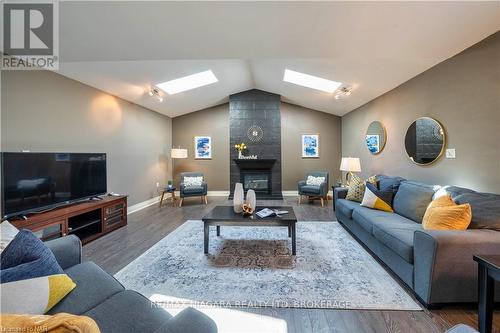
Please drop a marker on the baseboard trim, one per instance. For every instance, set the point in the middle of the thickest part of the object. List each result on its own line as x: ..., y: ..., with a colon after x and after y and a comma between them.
x: 142, y: 205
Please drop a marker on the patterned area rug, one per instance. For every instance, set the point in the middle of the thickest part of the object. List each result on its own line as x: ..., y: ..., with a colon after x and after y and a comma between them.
x: 250, y: 266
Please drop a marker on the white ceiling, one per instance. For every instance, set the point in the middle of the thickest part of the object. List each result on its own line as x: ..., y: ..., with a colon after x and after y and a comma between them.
x: 124, y: 47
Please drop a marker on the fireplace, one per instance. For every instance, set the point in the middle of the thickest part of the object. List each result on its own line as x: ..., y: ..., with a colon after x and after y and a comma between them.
x: 257, y: 180
x: 257, y: 174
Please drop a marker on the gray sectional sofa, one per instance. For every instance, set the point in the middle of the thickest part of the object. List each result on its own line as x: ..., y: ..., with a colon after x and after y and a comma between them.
x: 436, y: 265
x: 104, y: 299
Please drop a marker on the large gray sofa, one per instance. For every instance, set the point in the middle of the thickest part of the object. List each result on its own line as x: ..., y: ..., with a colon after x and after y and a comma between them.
x: 104, y: 299
x: 436, y: 265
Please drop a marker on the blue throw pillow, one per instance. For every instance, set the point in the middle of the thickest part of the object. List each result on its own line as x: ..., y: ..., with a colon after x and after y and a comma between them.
x: 26, y: 257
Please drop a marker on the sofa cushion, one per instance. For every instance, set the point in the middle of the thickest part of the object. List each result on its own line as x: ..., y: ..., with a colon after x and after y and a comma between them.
x: 367, y: 217
x: 398, y: 237
x: 193, y: 189
x: 346, y: 207
x: 412, y: 199
x: 313, y: 189
x: 485, y: 209
x: 93, y: 286
x: 128, y: 309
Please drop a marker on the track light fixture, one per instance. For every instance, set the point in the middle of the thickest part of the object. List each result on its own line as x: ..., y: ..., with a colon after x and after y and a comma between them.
x: 156, y: 93
x: 342, y: 92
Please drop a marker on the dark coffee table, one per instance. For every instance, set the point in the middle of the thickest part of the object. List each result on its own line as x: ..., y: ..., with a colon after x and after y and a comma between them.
x: 225, y: 216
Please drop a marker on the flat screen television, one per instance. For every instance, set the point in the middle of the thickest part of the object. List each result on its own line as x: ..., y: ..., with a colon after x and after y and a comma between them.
x: 34, y: 182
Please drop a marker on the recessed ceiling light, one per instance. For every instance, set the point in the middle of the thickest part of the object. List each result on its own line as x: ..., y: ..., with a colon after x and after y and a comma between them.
x: 310, y: 81
x: 188, y: 82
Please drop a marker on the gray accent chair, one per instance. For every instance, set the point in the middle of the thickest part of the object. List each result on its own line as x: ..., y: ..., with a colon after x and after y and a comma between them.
x: 101, y: 297
x: 314, y: 192
x: 436, y: 264
x: 193, y: 191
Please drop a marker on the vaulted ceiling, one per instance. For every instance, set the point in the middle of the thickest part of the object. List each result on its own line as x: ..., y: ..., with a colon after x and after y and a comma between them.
x: 125, y: 47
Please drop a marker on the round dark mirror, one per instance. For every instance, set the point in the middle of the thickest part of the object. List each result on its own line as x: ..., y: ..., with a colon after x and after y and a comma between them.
x: 425, y: 140
x: 375, y: 137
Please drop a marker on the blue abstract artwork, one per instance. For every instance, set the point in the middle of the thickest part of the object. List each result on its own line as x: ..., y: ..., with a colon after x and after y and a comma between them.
x: 310, y: 145
x: 373, y: 143
x: 203, y: 147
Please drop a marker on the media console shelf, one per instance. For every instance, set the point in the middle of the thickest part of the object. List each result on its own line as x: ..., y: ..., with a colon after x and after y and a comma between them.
x: 88, y: 220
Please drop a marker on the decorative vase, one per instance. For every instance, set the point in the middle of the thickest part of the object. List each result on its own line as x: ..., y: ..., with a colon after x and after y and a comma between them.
x: 240, y: 155
x: 238, y: 198
x: 251, y: 199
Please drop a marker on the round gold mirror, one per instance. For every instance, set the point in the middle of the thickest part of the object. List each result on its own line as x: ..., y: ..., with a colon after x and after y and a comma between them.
x: 375, y: 137
x: 425, y: 141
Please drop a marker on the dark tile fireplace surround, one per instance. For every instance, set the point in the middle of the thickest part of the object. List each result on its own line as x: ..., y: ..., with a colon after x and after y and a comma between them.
x: 262, y: 109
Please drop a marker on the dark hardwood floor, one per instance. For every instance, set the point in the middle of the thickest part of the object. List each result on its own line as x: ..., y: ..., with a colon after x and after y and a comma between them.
x: 148, y: 226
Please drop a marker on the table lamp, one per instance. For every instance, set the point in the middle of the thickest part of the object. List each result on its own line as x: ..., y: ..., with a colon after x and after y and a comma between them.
x: 350, y: 165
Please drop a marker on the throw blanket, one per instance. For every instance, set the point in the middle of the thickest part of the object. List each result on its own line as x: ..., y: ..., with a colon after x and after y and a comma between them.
x: 59, y: 323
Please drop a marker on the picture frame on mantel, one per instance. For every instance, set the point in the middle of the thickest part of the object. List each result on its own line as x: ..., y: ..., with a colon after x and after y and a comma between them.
x: 203, y: 147
x: 310, y: 145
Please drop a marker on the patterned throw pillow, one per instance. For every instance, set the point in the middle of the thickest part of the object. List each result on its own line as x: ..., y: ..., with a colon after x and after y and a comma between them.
x: 35, y: 296
x: 193, y: 181
x: 316, y: 181
x: 377, y: 199
x: 356, y: 189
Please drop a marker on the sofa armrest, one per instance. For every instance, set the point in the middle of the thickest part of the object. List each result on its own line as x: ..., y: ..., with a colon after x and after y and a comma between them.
x: 188, y: 320
x: 444, y: 270
x: 339, y: 193
x: 67, y: 250
x: 205, y: 188
x: 323, y: 189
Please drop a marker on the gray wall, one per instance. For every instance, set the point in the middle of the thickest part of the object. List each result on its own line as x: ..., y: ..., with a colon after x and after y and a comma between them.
x: 295, y: 121
x: 44, y: 111
x: 463, y: 94
x: 214, y: 122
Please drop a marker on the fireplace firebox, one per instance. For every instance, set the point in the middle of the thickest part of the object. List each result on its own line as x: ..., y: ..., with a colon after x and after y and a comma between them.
x: 257, y: 180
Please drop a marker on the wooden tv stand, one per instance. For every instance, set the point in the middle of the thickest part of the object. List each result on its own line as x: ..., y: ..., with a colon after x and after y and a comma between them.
x: 88, y: 220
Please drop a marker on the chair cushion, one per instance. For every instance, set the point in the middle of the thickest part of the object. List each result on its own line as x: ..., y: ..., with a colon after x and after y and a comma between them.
x: 193, y: 181
x: 312, y: 189
x: 398, y: 237
x: 346, y: 207
x: 412, y: 199
x: 26, y: 257
x: 93, y: 286
x: 193, y: 189
x: 128, y: 311
x: 316, y: 181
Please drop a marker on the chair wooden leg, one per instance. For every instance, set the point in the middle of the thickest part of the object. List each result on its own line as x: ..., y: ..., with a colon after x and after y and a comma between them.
x: 300, y: 199
x: 180, y: 202
x: 322, y: 202
x: 161, y: 199
x: 205, y: 198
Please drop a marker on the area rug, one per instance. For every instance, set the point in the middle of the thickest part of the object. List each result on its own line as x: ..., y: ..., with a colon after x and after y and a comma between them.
x: 253, y: 266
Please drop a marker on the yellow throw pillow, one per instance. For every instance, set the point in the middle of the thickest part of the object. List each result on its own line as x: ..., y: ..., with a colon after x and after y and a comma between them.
x: 34, y: 296
x: 356, y: 189
x: 58, y: 323
x: 444, y: 214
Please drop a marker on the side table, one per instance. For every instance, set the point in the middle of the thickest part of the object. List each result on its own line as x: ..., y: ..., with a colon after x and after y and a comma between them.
x: 170, y: 190
x: 488, y: 273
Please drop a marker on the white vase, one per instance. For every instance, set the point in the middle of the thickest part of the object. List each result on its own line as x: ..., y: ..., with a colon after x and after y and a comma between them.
x: 240, y: 155
x: 251, y: 199
x: 238, y: 197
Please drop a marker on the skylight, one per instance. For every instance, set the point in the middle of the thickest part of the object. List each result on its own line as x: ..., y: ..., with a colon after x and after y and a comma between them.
x: 310, y: 81
x: 188, y: 82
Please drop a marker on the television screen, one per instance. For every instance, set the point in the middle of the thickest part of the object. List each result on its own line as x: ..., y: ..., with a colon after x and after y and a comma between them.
x: 34, y: 182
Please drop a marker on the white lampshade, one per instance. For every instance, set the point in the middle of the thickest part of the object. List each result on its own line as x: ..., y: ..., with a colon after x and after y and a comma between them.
x: 350, y: 164
x: 178, y: 153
